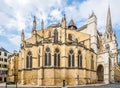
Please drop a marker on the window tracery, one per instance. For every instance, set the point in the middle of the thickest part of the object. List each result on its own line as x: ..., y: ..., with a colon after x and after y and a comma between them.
x: 29, y: 60
x: 71, y: 58
x: 55, y: 36
x: 47, y: 60
x: 57, y: 57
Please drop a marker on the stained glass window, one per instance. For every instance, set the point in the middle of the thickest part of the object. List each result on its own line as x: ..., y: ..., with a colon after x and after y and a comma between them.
x: 55, y: 36
x: 79, y: 59
x: 71, y: 61
x: 56, y: 57
x: 47, y: 59
x: 39, y: 58
x: 29, y: 60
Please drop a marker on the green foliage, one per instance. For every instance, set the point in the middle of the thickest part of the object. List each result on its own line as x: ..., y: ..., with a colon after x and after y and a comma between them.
x: 119, y: 64
x: 119, y: 51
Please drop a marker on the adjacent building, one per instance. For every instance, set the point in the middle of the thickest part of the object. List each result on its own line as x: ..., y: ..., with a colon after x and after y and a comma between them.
x: 12, y: 75
x: 3, y: 64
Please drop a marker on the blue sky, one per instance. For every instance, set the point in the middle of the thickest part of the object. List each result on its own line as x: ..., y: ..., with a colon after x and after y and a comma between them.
x: 16, y: 15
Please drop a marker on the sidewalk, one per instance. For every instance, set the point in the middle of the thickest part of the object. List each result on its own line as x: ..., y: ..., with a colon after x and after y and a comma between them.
x: 20, y: 85
x: 87, y: 85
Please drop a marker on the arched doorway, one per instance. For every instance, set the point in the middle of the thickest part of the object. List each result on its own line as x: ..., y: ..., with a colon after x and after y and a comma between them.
x: 100, y: 73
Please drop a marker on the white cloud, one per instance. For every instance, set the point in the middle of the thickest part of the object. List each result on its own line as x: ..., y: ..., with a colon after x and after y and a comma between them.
x: 18, y: 14
x: 15, y: 39
x: 56, y: 14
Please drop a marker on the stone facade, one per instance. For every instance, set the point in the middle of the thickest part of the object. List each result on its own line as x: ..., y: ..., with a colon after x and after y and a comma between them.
x: 105, y: 45
x: 55, y: 54
x: 60, y: 52
x: 13, y: 67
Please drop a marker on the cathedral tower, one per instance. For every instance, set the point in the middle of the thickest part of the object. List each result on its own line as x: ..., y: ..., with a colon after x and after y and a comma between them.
x: 92, y: 30
x: 110, y: 40
x: 109, y: 53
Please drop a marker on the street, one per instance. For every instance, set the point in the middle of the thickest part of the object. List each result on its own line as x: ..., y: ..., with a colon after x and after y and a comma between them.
x: 116, y: 85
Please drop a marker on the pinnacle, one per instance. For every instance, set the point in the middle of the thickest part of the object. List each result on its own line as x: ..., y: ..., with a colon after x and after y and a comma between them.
x: 71, y: 23
x: 34, y: 19
x: 22, y: 31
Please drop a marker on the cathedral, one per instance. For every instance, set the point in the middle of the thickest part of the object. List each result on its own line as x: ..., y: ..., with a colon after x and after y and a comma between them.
x: 75, y: 55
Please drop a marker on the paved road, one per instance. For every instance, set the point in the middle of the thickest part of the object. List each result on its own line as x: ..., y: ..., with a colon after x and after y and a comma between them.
x: 116, y: 85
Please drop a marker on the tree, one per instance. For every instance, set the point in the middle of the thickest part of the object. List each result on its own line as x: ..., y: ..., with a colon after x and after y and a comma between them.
x: 118, y: 51
x: 119, y: 64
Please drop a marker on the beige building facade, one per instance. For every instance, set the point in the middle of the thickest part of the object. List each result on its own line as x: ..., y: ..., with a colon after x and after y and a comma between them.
x: 55, y: 54
x: 106, y: 47
x: 3, y: 64
x: 64, y: 52
x: 12, y: 75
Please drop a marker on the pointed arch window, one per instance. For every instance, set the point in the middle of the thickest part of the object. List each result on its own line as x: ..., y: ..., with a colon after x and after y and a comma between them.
x: 55, y: 36
x: 39, y: 58
x: 57, y: 58
x: 79, y: 59
x: 107, y: 36
x: 71, y: 58
x: 49, y: 34
x: 92, y: 62
x: 29, y: 60
x: 70, y: 37
x: 47, y: 60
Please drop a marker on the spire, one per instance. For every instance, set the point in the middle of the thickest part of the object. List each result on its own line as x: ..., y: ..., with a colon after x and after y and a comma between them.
x: 64, y: 17
x: 109, y: 23
x: 22, y: 39
x: 34, y: 24
x: 63, y: 23
x: 22, y: 31
x: 22, y: 35
x: 72, y: 25
x: 42, y: 24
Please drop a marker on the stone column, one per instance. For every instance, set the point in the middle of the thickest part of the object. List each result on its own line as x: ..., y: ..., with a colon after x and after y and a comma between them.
x: 106, y: 73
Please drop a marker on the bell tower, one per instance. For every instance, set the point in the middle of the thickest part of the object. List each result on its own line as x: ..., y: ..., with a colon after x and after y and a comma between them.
x: 110, y: 45
x: 92, y: 30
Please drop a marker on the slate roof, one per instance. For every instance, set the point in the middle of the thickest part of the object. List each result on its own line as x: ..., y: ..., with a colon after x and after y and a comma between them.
x: 82, y: 27
x: 72, y: 23
x: 54, y: 25
x: 4, y: 50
